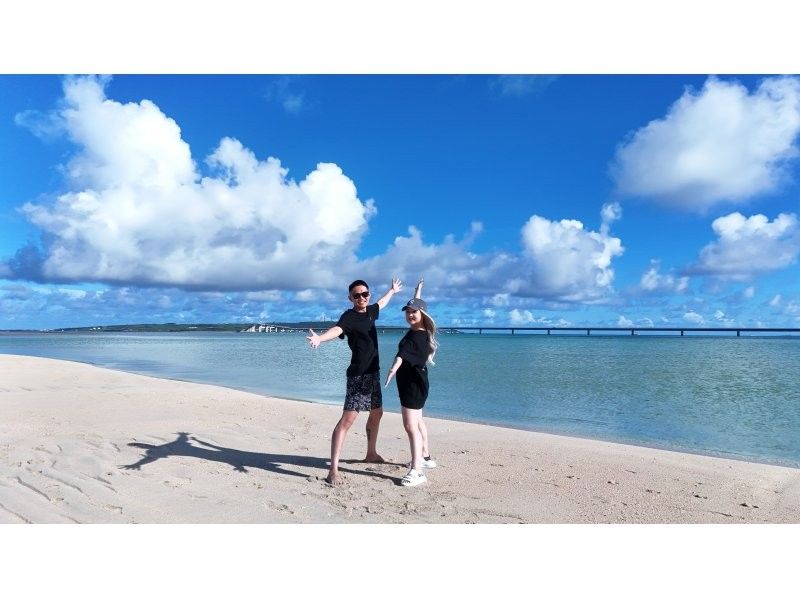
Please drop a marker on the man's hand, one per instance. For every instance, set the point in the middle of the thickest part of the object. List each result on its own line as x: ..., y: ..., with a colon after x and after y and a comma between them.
x: 397, y: 286
x: 313, y: 339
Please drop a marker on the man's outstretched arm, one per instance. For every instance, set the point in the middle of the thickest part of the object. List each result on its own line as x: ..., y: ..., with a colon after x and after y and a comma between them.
x: 315, y: 339
x: 396, y: 287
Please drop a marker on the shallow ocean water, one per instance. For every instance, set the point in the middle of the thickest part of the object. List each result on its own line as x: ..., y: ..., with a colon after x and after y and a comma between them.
x: 727, y: 396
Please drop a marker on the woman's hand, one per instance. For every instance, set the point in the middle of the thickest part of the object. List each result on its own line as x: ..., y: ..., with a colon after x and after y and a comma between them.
x: 398, y: 361
x: 389, y: 377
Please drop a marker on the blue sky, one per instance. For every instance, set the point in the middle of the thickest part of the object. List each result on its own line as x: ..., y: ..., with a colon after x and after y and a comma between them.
x: 663, y: 200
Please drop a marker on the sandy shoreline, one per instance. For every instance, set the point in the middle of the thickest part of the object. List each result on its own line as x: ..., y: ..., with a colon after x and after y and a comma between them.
x: 84, y: 444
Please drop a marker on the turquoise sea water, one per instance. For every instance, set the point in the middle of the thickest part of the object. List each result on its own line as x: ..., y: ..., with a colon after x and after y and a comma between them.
x: 735, y: 397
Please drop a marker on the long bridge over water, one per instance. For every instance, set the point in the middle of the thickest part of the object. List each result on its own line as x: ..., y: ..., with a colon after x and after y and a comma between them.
x: 617, y: 331
x: 556, y: 330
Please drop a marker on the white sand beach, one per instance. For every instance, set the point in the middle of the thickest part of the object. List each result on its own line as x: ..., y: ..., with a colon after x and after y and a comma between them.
x: 82, y: 444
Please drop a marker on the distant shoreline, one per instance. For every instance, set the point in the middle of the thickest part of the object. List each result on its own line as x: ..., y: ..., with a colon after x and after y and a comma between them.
x: 173, y: 327
x: 294, y: 327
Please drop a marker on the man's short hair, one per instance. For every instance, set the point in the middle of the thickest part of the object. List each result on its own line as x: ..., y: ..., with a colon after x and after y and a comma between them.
x: 356, y: 283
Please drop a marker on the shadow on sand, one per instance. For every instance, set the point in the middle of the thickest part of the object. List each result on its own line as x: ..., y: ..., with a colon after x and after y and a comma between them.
x: 239, y: 460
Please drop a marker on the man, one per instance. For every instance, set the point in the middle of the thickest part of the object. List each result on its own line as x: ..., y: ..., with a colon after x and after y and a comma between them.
x: 363, y: 373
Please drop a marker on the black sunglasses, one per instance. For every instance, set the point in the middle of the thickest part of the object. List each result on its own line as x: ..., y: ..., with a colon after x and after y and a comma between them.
x: 363, y: 295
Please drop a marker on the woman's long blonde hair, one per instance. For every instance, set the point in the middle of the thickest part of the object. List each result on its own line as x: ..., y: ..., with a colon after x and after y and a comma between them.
x: 430, y: 327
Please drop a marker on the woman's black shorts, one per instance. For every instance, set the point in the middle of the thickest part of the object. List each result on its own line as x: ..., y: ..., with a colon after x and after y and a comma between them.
x: 412, y: 386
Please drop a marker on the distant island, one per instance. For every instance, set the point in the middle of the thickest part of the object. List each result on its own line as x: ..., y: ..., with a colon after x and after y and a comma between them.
x: 230, y: 327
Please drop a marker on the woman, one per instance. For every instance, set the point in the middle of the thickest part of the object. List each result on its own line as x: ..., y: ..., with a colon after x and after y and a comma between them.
x: 416, y: 349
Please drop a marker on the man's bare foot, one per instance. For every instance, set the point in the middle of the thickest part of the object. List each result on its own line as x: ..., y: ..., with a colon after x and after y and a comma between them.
x: 374, y: 458
x: 334, y: 479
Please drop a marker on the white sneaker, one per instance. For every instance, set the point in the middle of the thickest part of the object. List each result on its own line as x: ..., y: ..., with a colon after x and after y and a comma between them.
x: 427, y: 463
x: 413, y: 478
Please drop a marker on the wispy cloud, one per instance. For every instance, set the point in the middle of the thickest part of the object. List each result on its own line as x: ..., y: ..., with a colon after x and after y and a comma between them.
x: 653, y: 281
x: 520, y: 317
x: 45, y: 126
x: 720, y: 319
x: 694, y: 318
x: 517, y: 86
x: 524, y: 317
x: 281, y: 91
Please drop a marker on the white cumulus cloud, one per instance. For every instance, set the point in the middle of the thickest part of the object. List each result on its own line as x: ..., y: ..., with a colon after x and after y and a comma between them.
x: 747, y: 247
x: 142, y: 213
x: 567, y: 261
x: 722, y: 143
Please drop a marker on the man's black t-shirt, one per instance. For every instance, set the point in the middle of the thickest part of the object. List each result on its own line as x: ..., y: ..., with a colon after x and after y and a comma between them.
x: 362, y: 338
x: 412, y: 376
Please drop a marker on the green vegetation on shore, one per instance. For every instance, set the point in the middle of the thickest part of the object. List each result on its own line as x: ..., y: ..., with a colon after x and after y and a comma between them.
x: 168, y: 327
